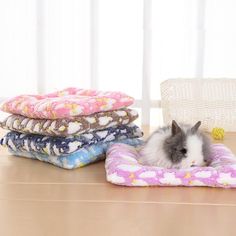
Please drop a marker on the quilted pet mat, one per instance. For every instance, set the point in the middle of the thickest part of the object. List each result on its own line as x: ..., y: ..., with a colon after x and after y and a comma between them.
x: 123, y: 168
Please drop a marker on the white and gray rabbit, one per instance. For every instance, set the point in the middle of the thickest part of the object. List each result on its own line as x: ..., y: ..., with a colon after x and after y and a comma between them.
x: 176, y: 146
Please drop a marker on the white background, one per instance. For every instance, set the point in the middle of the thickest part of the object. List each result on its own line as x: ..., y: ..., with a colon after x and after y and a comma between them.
x: 51, y: 44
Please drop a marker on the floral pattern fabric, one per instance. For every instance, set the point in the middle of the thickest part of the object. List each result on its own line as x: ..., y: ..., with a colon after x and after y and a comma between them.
x: 58, y: 146
x: 82, y: 157
x: 66, y: 103
x: 67, y: 127
x: 123, y: 168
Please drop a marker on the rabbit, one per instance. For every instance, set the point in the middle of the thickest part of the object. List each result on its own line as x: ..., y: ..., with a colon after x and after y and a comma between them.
x: 176, y: 146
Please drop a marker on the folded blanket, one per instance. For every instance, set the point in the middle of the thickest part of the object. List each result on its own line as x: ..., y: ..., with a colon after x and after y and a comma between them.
x: 66, y: 103
x: 57, y: 146
x: 82, y: 157
x: 65, y: 127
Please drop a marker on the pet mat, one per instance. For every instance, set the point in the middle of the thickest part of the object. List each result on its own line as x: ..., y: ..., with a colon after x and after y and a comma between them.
x: 66, y: 127
x: 82, y: 157
x: 66, y: 103
x: 123, y: 168
x: 59, y: 146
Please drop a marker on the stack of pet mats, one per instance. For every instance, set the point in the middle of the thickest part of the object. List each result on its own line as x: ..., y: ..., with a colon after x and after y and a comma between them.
x: 70, y: 128
x: 123, y: 168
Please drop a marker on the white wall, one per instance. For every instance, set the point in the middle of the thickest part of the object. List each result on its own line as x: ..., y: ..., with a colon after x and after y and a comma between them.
x: 47, y: 45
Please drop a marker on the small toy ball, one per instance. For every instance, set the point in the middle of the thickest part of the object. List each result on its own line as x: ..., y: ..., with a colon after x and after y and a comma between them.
x: 218, y: 133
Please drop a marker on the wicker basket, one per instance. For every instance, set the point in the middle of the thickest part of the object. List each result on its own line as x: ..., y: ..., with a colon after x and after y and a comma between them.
x: 213, y: 101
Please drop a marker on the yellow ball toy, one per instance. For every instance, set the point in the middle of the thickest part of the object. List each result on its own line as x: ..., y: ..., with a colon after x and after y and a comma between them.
x: 218, y: 133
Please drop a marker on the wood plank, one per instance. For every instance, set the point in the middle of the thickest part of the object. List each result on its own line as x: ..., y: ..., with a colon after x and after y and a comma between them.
x: 23, y: 170
x: 71, y: 218
x: 111, y: 193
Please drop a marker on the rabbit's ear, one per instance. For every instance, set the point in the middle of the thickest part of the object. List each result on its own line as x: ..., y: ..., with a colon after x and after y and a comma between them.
x: 195, y: 127
x: 175, y: 128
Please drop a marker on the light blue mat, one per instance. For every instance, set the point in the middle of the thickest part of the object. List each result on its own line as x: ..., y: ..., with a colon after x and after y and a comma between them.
x: 82, y: 157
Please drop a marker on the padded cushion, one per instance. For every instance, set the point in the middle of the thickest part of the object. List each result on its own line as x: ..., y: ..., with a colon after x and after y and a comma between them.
x: 65, y: 127
x: 82, y: 157
x: 58, y: 146
x: 122, y: 168
x: 66, y: 103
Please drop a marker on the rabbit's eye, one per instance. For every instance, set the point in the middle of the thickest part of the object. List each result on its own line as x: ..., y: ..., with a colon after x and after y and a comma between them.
x: 183, y: 150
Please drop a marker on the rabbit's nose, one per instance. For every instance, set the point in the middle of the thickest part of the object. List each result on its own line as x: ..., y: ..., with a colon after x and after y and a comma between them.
x: 192, y: 164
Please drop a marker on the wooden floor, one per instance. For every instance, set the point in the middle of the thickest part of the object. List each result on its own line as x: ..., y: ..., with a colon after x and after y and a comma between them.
x: 38, y: 199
